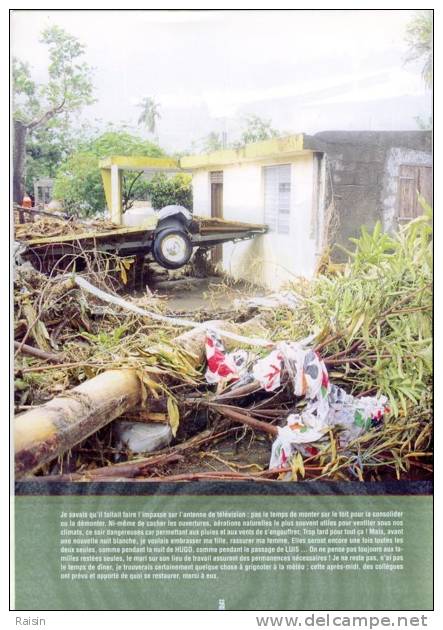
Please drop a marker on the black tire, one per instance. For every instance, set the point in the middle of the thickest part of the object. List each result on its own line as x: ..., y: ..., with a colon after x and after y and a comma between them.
x: 172, y: 248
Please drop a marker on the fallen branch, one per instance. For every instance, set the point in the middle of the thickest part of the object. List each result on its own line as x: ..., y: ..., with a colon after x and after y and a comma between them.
x: 238, y: 392
x: 126, y: 470
x: 36, y: 352
x: 236, y: 416
x: 140, y: 466
x: 226, y: 475
x: 60, y: 366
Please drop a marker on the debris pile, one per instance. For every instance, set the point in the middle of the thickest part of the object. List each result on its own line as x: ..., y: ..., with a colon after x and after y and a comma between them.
x: 332, y: 382
x: 328, y: 406
x: 49, y: 227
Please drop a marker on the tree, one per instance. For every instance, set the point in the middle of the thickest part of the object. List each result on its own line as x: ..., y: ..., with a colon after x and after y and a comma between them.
x: 78, y: 182
x: 149, y: 114
x: 68, y: 89
x: 212, y: 142
x: 257, y: 129
x: 419, y: 39
x: 47, y: 147
x: 79, y: 186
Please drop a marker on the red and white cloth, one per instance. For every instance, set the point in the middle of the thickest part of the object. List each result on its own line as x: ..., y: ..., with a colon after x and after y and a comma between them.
x: 222, y: 365
x: 327, y: 405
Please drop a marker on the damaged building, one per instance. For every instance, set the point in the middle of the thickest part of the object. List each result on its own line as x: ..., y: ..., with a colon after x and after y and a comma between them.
x: 311, y: 191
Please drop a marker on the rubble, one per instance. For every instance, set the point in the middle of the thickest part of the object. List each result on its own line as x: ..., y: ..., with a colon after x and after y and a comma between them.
x: 366, y: 328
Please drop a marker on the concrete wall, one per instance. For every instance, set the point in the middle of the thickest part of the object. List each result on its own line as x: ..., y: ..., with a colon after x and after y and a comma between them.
x: 273, y: 259
x: 357, y: 169
x: 363, y: 169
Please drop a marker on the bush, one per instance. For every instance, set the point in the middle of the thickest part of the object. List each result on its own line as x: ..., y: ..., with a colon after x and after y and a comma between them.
x: 165, y: 191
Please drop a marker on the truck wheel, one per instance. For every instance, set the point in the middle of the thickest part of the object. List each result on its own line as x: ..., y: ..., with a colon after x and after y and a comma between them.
x: 172, y: 248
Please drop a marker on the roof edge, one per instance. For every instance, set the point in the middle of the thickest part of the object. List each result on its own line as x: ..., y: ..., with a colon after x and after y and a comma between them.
x: 139, y: 162
x: 272, y: 148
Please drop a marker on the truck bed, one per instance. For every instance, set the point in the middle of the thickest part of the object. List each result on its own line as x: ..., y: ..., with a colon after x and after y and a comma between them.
x: 73, y: 240
x: 209, y: 229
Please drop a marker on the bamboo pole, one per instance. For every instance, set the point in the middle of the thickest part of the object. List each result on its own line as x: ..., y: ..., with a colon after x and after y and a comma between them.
x: 48, y: 431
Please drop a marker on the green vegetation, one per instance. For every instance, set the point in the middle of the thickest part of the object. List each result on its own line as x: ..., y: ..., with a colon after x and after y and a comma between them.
x: 212, y: 142
x: 255, y: 129
x: 373, y: 318
x: 165, y: 190
x: 47, y: 106
x: 419, y: 38
x: 78, y: 182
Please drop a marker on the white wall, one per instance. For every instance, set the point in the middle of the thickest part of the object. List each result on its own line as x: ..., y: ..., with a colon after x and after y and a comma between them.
x: 201, y: 191
x: 273, y: 259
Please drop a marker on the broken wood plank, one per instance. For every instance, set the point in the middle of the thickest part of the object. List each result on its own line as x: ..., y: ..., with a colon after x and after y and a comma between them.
x: 36, y: 328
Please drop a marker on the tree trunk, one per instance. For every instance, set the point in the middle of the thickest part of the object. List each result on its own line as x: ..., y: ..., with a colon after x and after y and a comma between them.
x: 19, y: 154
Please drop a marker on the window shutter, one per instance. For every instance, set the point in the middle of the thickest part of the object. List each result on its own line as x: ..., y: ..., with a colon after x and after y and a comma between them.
x: 216, y: 177
x: 277, y: 184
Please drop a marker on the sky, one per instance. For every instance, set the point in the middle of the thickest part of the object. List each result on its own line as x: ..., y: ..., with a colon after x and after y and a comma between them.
x: 306, y: 71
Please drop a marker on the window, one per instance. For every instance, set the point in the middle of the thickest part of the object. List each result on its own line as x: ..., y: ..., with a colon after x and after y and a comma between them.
x: 277, y: 180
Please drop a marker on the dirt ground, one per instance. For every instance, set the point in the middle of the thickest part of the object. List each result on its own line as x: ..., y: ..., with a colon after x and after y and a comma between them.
x: 209, y: 294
